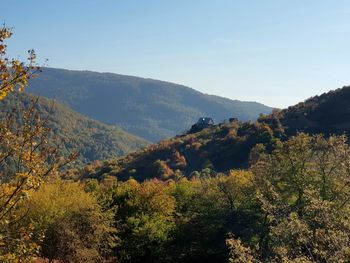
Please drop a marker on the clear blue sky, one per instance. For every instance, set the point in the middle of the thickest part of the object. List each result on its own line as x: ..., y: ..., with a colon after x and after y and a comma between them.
x: 277, y: 52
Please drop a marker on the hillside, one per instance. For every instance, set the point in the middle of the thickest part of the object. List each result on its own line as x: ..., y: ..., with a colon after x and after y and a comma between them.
x: 215, y: 149
x: 92, y: 139
x: 228, y: 145
x: 149, y: 108
x: 328, y: 113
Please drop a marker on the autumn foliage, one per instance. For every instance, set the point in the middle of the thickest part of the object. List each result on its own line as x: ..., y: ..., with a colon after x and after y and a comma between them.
x: 238, y: 192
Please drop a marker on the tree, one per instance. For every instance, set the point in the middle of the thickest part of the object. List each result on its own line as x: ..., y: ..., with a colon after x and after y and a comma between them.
x: 207, y: 208
x: 304, y: 193
x: 27, y: 154
x: 144, y: 219
x: 68, y: 223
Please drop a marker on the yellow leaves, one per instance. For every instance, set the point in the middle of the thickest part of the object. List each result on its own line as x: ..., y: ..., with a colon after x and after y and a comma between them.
x: 62, y: 211
x: 14, y: 74
x: 236, y: 188
x: 132, y: 183
x: 54, y: 199
x: 238, y: 253
x: 21, y: 87
x: 240, y: 177
x: 3, y: 94
x: 32, y: 181
x: 20, y: 252
x: 5, y: 33
x: 26, y: 155
x: 4, y: 76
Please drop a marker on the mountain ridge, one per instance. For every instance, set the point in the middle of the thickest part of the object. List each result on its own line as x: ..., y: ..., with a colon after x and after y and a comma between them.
x: 149, y: 108
x: 151, y: 79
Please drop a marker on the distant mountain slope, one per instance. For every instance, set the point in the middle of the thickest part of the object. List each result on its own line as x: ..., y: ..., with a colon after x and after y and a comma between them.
x: 149, y: 108
x: 92, y: 139
x: 228, y: 146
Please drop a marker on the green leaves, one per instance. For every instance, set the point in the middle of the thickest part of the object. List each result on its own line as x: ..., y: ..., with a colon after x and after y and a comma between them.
x: 304, y: 193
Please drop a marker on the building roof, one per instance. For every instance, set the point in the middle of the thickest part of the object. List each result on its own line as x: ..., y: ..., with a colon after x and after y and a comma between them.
x: 205, y: 121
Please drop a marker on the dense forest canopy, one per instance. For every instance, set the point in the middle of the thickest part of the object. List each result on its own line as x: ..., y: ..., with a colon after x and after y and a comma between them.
x: 74, y: 132
x: 292, y: 205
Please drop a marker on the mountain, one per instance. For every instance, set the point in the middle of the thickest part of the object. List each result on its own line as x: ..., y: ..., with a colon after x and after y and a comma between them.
x: 226, y: 146
x: 151, y: 109
x: 93, y: 140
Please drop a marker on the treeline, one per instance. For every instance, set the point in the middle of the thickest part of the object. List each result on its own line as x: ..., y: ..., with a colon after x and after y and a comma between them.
x: 291, y: 206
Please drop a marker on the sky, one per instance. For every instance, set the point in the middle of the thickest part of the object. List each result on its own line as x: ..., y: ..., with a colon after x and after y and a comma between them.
x: 277, y: 52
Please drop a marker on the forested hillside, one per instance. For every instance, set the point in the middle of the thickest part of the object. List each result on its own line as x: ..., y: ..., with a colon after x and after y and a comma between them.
x: 228, y: 145
x: 328, y: 113
x: 74, y: 132
x: 216, y: 149
x: 149, y: 108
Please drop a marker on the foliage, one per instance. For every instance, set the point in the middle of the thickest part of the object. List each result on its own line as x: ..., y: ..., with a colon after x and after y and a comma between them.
x: 14, y: 74
x: 327, y: 114
x: 304, y: 194
x: 219, y: 148
x: 229, y: 146
x: 26, y: 156
x: 291, y: 206
x: 68, y: 224
x: 76, y: 133
x: 144, y: 218
x: 182, y: 200
x: 238, y: 253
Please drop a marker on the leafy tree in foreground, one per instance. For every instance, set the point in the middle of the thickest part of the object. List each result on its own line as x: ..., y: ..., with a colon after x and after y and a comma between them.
x: 304, y: 193
x: 68, y: 224
x: 26, y: 156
